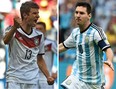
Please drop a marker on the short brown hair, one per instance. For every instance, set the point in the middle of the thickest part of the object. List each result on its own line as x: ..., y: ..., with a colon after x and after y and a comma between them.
x: 25, y: 7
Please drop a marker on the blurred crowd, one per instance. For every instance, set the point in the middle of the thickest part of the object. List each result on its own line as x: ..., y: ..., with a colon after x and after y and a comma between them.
x: 10, y: 9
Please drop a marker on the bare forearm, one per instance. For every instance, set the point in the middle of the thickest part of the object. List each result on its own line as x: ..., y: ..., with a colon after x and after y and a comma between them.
x: 43, y: 68
x: 109, y: 54
x: 9, y: 35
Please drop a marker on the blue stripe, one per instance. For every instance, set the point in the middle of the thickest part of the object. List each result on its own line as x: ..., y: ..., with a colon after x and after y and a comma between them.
x: 87, y: 52
x: 96, y: 50
x: 80, y: 55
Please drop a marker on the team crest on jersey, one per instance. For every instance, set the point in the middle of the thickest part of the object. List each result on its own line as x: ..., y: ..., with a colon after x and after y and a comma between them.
x: 68, y: 82
x: 87, y: 39
x: 36, y: 41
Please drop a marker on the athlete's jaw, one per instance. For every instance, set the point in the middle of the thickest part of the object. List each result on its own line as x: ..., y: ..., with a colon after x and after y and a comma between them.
x: 33, y: 22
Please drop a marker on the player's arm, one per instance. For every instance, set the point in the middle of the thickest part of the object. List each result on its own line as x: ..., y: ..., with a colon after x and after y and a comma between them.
x: 110, y: 55
x: 62, y: 48
x: 43, y: 68
x: 10, y: 34
x: 101, y: 39
x: 69, y: 42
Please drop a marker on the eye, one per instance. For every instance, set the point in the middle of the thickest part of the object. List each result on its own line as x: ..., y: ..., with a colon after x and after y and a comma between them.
x: 76, y: 12
x: 82, y: 13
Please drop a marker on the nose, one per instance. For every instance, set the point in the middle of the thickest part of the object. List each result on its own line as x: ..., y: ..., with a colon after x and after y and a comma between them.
x: 37, y: 16
x: 78, y: 14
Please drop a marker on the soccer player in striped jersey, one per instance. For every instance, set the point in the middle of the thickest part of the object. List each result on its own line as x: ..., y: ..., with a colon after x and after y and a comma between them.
x: 50, y: 50
x: 26, y: 47
x: 90, y: 41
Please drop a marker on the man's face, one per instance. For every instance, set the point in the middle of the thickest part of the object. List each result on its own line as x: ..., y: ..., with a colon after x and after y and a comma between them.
x: 81, y: 15
x: 41, y: 28
x: 32, y: 17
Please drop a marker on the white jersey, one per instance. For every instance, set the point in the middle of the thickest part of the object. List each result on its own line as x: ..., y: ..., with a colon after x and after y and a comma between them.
x: 23, y: 51
x: 50, y: 49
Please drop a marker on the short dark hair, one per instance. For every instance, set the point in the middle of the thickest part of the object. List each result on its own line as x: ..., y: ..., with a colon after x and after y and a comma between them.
x: 84, y: 4
x: 42, y: 23
x: 26, y: 6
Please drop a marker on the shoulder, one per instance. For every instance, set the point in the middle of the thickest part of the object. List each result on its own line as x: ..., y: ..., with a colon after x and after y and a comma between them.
x: 75, y: 32
x: 51, y: 41
x: 96, y: 28
x: 37, y: 31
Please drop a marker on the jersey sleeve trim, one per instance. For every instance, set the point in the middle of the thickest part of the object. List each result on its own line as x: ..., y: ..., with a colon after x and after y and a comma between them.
x: 41, y: 53
x: 106, y: 48
x: 99, y: 31
x: 103, y: 45
x: 65, y: 46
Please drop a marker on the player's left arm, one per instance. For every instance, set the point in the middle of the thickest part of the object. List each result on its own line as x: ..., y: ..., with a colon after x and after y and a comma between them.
x: 101, y: 39
x: 42, y: 65
x: 110, y: 55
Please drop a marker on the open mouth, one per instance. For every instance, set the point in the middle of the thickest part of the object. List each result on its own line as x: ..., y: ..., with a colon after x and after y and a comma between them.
x: 35, y: 21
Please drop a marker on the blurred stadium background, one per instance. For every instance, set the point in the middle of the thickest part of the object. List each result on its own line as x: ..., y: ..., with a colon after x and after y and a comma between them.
x: 10, y: 9
x: 104, y: 15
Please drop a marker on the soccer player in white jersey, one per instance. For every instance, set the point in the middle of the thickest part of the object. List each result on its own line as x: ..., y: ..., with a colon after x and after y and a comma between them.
x: 90, y: 41
x: 50, y: 50
x: 26, y: 47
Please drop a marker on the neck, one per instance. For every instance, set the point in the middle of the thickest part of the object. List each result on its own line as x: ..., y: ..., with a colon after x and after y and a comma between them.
x: 84, y: 26
x: 26, y: 27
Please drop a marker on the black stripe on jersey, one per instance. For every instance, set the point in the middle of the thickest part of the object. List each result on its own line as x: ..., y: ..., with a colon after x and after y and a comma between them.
x: 65, y: 46
x: 41, y: 54
x: 100, y: 31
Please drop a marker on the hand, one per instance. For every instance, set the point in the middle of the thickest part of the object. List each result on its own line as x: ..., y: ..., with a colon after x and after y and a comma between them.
x: 109, y: 63
x: 50, y: 80
x: 17, y: 22
x: 54, y: 75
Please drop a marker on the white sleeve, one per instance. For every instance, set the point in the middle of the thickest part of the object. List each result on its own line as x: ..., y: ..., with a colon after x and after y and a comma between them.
x: 101, y: 39
x: 54, y: 47
x: 69, y: 42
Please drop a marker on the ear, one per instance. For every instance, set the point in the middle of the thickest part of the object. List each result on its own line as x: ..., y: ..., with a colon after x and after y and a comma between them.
x: 24, y: 15
x: 90, y: 15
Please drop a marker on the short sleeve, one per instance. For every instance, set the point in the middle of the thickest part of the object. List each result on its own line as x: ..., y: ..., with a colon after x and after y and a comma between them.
x: 101, y: 39
x: 69, y: 42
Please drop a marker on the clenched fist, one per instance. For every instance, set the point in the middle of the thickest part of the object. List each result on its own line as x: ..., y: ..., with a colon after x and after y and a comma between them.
x: 17, y: 22
x: 50, y: 80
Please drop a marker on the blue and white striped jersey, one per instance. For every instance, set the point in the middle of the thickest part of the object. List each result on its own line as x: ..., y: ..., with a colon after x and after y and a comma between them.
x: 90, y: 44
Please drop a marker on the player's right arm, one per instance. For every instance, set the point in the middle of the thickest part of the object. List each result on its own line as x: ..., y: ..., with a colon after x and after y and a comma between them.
x: 10, y: 34
x: 70, y: 42
x: 62, y: 48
